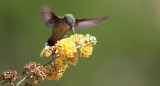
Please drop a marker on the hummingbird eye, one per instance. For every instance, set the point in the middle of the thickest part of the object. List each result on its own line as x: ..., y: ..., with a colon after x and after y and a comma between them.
x: 65, y: 19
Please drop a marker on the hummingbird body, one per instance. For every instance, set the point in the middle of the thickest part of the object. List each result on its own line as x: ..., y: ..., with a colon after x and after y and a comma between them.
x: 59, y: 31
x: 61, y: 25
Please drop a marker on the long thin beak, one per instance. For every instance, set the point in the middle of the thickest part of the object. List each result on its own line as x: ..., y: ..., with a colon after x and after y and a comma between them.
x: 73, y: 30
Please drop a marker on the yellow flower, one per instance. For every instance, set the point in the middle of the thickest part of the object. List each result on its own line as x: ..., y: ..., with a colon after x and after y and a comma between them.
x: 62, y: 56
x: 87, y: 51
x: 47, y: 68
x: 64, y: 67
x: 49, y: 76
x: 72, y: 61
x: 57, y: 62
x: 57, y: 75
x: 46, y: 51
x: 53, y: 71
x: 67, y: 52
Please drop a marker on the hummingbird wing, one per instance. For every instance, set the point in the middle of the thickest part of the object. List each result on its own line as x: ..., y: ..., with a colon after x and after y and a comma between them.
x: 86, y: 23
x: 48, y: 16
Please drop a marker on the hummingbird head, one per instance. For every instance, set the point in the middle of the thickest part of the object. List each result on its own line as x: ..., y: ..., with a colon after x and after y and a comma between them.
x: 69, y: 19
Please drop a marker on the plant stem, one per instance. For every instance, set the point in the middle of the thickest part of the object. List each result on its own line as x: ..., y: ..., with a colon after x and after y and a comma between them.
x: 26, y: 77
x: 22, y: 80
x: 49, y: 62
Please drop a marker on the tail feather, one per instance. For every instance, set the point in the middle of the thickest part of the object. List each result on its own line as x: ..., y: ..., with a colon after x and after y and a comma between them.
x: 49, y: 43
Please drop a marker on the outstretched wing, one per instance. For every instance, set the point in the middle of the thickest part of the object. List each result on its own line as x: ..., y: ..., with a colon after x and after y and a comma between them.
x: 48, y: 16
x: 86, y: 23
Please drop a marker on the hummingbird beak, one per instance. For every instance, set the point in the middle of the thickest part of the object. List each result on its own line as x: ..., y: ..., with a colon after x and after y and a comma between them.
x: 73, y: 30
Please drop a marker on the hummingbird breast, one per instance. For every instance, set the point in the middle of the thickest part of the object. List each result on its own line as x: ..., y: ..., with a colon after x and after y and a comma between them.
x: 59, y: 30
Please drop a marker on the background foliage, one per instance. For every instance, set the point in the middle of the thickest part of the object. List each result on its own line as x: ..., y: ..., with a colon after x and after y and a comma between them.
x: 127, y: 52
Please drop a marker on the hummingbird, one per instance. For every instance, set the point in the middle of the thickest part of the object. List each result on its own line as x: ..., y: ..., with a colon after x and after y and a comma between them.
x: 62, y: 24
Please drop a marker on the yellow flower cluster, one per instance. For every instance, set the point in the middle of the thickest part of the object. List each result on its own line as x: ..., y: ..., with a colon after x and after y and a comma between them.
x: 55, y: 69
x: 67, y: 52
x: 47, y: 51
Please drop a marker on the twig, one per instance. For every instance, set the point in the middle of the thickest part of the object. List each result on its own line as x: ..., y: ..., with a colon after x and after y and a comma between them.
x: 26, y: 77
x: 22, y: 80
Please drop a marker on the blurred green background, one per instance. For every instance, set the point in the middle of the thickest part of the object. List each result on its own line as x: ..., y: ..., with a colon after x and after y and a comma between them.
x: 127, y: 52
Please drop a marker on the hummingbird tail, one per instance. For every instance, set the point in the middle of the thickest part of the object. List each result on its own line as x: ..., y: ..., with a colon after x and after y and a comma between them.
x: 49, y: 43
x: 46, y: 44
